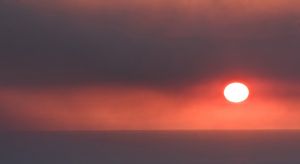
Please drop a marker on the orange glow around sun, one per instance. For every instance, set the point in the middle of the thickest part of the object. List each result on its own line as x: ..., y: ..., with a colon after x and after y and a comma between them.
x: 108, y: 107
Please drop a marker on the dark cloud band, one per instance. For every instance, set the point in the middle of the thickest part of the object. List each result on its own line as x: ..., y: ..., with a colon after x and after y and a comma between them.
x: 156, y: 45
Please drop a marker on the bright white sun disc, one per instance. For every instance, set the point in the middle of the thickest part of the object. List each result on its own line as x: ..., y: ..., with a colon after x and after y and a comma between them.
x: 236, y: 92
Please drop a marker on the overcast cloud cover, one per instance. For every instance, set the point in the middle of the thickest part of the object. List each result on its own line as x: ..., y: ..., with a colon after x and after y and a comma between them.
x: 152, y: 43
x: 148, y: 64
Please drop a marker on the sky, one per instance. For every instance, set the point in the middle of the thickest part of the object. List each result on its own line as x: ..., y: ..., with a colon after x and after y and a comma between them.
x: 148, y: 65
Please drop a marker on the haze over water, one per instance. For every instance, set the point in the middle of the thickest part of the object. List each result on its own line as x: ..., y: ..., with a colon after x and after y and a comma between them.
x: 96, y: 65
x: 150, y: 147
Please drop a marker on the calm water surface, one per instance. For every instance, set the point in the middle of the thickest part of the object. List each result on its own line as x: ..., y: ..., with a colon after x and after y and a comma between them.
x: 142, y: 147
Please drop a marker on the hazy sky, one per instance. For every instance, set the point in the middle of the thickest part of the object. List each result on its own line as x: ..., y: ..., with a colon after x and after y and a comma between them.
x: 154, y: 64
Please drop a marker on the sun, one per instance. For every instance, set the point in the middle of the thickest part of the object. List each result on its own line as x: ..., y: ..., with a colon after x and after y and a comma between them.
x: 236, y: 92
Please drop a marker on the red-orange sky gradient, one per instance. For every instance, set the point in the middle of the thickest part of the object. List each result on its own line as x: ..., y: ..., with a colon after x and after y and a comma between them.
x: 271, y: 105
x: 148, y: 65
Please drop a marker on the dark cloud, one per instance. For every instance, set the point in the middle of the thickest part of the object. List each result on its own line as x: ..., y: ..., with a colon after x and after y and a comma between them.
x: 150, y: 45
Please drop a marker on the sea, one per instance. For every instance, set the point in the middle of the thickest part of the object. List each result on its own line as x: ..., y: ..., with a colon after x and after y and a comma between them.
x: 151, y: 147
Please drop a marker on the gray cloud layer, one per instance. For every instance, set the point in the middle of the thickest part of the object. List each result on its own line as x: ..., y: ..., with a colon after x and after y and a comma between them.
x: 149, y: 45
